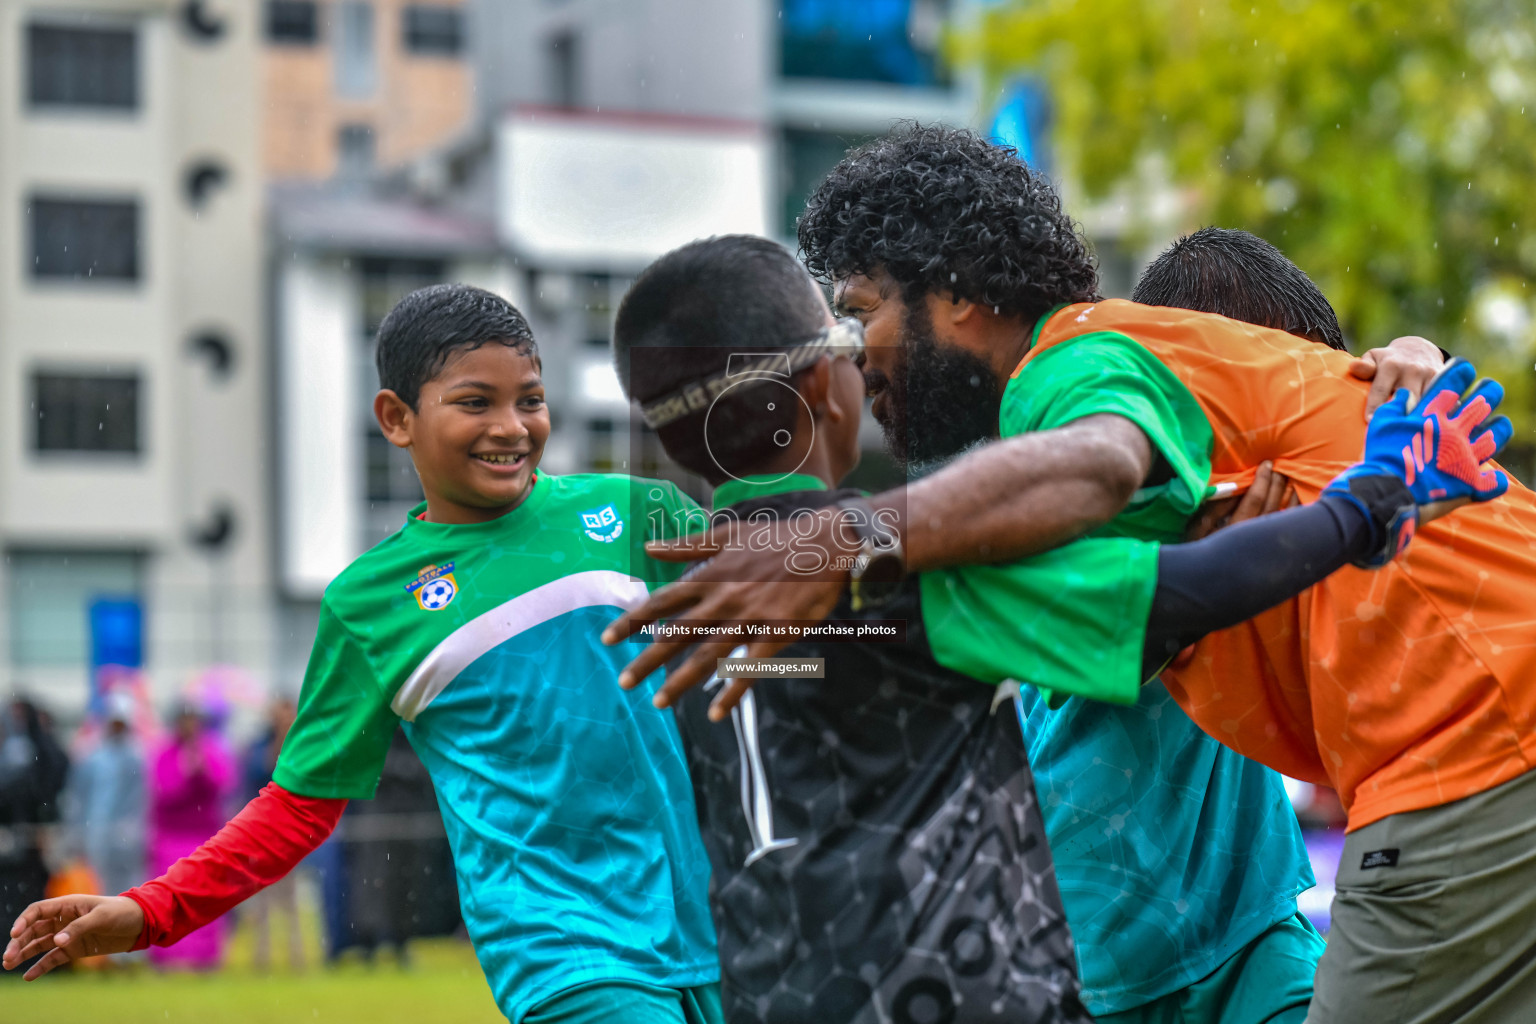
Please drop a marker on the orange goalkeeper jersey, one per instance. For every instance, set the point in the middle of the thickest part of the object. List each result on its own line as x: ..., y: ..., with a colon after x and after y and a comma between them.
x: 1403, y: 688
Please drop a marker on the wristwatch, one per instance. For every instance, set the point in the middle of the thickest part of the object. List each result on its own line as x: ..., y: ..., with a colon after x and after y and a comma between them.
x: 880, y: 564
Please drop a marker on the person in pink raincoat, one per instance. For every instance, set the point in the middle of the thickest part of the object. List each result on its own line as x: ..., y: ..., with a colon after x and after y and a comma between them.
x: 192, y: 779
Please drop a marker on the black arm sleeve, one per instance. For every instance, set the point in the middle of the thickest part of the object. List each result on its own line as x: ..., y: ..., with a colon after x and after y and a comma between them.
x: 1236, y: 573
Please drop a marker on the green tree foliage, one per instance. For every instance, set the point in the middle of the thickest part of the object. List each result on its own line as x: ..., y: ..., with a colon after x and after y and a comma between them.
x: 1388, y: 147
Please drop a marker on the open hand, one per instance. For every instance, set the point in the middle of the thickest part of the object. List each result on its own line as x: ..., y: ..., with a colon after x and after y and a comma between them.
x: 749, y: 583
x: 72, y: 928
x: 1437, y: 455
x: 1442, y: 449
x: 1409, y: 362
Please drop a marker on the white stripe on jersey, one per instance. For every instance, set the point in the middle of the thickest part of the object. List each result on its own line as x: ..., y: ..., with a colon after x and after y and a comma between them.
x: 484, y: 633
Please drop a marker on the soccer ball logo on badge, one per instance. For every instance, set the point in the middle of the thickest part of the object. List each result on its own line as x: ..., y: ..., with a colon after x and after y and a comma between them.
x: 437, y: 594
x: 434, y: 587
x: 603, y: 524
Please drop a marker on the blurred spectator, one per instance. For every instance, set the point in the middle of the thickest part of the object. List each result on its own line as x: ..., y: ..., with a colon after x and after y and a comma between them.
x: 193, y: 779
x: 107, y: 801
x: 281, y: 899
x: 33, y: 769
x: 398, y: 865
x: 330, y: 864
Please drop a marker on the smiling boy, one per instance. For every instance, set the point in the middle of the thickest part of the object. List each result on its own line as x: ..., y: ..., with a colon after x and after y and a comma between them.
x: 566, y: 800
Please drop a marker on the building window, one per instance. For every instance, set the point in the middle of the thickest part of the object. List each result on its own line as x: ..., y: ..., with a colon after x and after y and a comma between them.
x: 649, y: 458
x: 389, y: 479
x: 391, y: 474
x: 82, y: 67
x: 51, y: 593
x: 807, y: 158
x: 392, y: 487
x: 603, y: 455
x: 895, y: 41
x: 85, y: 239
x: 434, y: 31
x: 356, y: 69
x: 355, y: 150
x: 85, y: 413
x: 563, y: 59
x: 387, y: 281
x: 293, y: 22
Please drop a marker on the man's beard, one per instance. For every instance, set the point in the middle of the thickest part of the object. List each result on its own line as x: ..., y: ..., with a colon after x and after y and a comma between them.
x: 942, y: 400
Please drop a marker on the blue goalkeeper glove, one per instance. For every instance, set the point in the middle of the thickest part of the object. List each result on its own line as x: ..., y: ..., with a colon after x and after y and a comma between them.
x: 1437, y: 452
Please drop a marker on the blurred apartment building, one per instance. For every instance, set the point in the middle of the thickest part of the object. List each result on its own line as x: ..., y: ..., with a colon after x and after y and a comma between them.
x: 349, y: 86
x: 206, y: 207
x: 602, y: 133
x: 132, y: 339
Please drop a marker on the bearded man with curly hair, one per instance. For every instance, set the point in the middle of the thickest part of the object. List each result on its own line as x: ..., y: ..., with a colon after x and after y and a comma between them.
x: 1179, y: 860
x: 1030, y: 413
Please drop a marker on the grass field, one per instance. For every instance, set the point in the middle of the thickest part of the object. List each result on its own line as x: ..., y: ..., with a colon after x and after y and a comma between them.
x: 443, y: 983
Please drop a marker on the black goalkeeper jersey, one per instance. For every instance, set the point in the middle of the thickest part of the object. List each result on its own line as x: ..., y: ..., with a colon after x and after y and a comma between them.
x: 876, y: 847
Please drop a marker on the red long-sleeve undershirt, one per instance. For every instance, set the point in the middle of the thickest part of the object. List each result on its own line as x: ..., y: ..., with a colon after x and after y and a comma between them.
x: 260, y: 845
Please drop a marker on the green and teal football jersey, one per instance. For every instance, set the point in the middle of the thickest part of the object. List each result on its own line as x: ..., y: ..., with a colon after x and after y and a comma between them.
x: 1172, y: 851
x: 566, y: 799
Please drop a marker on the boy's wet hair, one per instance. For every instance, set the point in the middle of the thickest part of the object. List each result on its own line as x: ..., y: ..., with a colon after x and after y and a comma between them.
x: 944, y: 211
x: 683, y: 319
x: 430, y: 325
x: 1241, y: 276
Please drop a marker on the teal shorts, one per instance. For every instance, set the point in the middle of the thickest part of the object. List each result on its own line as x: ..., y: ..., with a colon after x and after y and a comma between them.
x: 1268, y: 981
x: 631, y: 1002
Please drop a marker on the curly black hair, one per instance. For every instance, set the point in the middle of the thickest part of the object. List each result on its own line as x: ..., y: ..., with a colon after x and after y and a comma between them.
x: 941, y: 209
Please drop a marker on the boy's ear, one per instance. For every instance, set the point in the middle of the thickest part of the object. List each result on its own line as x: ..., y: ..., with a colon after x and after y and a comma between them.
x: 829, y: 405
x: 815, y: 386
x: 394, y: 416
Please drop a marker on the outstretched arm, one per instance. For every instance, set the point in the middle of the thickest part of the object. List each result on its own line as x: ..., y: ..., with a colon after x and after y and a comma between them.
x: 1014, y: 497
x: 1021, y: 495
x: 258, y: 847
x: 1418, y: 465
x: 1236, y: 573
x: 1009, y: 622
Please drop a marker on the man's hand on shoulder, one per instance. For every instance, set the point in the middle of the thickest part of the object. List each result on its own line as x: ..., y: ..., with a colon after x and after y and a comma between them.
x: 998, y: 503
x: 1408, y: 362
x: 72, y: 928
x: 777, y: 575
x: 1424, y: 462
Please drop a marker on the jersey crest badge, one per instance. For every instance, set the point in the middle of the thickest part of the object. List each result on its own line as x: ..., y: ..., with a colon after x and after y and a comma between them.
x: 434, y: 587
x: 603, y: 524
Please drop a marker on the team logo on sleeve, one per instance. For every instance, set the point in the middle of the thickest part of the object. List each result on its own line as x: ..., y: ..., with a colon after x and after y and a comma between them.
x: 434, y: 587
x: 603, y: 524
